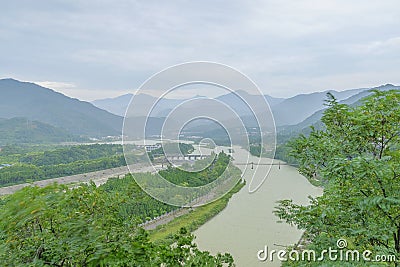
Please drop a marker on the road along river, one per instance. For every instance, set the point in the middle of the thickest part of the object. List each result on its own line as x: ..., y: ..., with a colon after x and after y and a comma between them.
x: 247, y: 224
x: 98, y: 177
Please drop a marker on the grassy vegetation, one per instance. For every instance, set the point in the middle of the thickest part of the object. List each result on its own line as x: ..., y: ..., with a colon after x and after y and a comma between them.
x: 88, y: 226
x: 194, y: 219
x: 25, y: 131
x: 34, y: 163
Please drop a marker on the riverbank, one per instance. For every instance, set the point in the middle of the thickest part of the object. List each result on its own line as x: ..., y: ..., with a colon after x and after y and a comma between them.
x: 248, y: 224
x: 98, y: 177
x: 195, y: 217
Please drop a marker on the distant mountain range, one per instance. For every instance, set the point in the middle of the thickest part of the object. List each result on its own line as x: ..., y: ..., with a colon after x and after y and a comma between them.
x: 36, y: 103
x: 291, y: 114
x: 27, y: 109
x: 352, y: 100
x: 289, y: 111
x: 118, y: 105
x: 298, y: 108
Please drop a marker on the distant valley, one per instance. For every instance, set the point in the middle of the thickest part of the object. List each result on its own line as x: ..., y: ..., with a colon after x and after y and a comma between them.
x: 294, y: 114
x: 32, y: 113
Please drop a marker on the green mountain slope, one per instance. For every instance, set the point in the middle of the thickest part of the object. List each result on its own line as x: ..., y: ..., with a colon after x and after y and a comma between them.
x: 23, y: 99
x: 315, y: 118
x: 22, y: 130
x: 298, y: 108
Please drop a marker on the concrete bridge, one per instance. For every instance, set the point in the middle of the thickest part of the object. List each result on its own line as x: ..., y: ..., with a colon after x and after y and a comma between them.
x: 187, y: 157
x: 271, y: 164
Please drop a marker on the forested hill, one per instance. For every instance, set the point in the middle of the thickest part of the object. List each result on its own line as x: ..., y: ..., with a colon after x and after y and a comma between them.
x: 22, y: 130
x: 34, y: 102
x: 353, y: 100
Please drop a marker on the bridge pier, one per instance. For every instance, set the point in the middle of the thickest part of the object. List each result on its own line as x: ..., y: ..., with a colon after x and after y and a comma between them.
x: 187, y: 157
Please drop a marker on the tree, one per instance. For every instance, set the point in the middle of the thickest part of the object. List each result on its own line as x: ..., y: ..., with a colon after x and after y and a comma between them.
x: 86, y: 226
x: 357, y: 159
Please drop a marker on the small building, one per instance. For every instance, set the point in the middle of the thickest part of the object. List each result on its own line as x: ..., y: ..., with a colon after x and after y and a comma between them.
x: 150, y: 148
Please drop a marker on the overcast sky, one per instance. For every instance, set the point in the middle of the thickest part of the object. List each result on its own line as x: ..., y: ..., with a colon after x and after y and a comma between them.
x: 96, y: 49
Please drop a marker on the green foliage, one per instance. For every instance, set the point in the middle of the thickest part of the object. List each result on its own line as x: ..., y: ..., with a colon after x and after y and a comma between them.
x: 89, y: 226
x: 12, y: 153
x: 357, y: 157
x: 21, y: 173
x: 137, y: 203
x: 57, y: 226
x: 194, y: 219
x: 282, y: 152
x: 22, y: 130
x: 184, y: 148
x: 193, y: 179
x: 23, y: 99
x: 256, y: 150
x: 68, y: 154
x: 32, y: 165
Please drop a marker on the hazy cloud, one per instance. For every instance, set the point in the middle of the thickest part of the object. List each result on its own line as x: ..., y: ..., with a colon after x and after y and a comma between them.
x: 287, y: 47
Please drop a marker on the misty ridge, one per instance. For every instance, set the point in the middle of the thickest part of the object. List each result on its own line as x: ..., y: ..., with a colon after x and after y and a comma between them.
x: 294, y: 114
x: 32, y: 113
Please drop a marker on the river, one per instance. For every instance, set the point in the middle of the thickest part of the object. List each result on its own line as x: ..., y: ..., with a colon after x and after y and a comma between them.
x: 247, y: 224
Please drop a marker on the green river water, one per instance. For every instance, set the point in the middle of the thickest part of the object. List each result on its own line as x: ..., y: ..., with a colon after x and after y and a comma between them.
x: 247, y: 224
